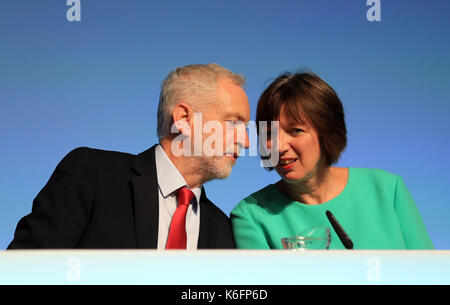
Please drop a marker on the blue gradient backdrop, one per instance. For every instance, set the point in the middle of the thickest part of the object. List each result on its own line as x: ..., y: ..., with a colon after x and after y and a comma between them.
x: 96, y: 83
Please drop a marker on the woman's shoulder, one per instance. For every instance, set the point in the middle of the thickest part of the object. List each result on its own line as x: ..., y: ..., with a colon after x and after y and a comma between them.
x: 261, y: 199
x: 372, y: 173
x: 374, y: 179
x: 264, y: 194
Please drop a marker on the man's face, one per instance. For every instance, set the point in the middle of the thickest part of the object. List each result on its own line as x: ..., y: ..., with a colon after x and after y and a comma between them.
x: 221, y: 145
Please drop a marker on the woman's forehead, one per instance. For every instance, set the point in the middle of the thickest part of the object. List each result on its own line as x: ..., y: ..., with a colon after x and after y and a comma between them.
x: 292, y: 114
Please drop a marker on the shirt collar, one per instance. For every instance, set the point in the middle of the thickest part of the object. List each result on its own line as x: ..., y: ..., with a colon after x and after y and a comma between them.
x: 169, y: 178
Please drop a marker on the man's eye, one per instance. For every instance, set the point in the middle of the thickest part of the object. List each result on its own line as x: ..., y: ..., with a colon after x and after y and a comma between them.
x: 235, y: 124
x: 230, y: 124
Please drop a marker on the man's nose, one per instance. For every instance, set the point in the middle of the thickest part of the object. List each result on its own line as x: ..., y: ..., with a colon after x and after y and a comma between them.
x: 241, y: 137
x: 246, y: 141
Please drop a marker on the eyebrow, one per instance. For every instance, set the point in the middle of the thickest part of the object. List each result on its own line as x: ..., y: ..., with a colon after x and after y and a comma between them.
x: 234, y: 115
x: 296, y: 123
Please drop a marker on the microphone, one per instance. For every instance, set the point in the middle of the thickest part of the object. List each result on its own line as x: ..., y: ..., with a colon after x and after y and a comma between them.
x: 345, y: 239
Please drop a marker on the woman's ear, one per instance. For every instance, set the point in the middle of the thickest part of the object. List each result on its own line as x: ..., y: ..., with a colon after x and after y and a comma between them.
x: 182, y: 118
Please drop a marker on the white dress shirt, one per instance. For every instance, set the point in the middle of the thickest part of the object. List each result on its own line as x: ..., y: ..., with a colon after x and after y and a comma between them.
x: 170, y: 180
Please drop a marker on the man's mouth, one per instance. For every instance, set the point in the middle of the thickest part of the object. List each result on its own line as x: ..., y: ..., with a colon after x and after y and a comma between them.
x: 233, y: 156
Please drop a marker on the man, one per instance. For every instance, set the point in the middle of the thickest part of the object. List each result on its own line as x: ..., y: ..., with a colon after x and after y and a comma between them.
x: 104, y: 199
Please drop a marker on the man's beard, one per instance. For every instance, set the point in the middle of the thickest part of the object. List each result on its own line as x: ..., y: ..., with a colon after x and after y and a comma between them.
x: 221, y: 167
x: 213, y: 167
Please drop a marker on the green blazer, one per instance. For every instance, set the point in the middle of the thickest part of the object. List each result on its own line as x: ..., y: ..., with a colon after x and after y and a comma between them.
x: 375, y: 209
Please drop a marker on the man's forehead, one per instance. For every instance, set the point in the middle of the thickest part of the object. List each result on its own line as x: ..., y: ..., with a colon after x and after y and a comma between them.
x: 228, y: 87
x: 233, y: 103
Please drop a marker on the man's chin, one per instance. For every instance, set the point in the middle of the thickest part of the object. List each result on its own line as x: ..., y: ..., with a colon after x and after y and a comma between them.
x: 231, y: 158
x: 224, y: 173
x: 224, y: 168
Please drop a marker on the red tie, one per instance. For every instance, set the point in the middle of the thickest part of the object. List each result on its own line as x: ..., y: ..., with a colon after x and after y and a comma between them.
x: 177, y: 234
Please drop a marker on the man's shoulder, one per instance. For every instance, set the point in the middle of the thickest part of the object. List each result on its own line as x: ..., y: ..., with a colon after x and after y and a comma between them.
x: 88, y: 154
x: 100, y: 154
x: 93, y: 158
x: 213, y: 209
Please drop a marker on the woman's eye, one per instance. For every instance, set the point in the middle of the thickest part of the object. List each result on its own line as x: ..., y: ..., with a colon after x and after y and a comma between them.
x: 297, y: 130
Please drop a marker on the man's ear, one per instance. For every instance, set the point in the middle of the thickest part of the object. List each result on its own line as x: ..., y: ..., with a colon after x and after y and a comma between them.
x: 182, y: 115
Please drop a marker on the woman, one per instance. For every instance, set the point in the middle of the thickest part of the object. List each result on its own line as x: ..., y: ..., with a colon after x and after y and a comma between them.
x: 373, y: 206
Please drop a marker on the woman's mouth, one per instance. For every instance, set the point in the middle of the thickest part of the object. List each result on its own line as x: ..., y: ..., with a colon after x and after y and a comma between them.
x: 287, y: 163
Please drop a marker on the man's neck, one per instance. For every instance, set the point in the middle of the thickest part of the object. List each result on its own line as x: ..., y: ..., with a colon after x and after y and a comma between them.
x: 186, y: 167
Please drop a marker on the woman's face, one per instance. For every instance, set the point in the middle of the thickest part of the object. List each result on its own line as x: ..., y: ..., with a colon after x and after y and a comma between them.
x: 299, y: 149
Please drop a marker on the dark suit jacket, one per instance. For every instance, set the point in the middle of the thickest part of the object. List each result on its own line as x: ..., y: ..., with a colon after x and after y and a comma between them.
x: 103, y: 199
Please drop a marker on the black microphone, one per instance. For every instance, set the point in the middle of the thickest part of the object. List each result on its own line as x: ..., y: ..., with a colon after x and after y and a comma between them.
x: 345, y: 239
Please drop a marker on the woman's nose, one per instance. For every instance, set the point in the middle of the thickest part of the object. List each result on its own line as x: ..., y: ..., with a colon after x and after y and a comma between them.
x: 283, y: 144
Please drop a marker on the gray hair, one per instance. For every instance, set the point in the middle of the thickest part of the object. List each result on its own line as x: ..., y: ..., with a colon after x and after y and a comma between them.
x: 194, y: 85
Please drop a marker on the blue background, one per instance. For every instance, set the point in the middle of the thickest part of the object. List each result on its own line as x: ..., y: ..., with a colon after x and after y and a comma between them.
x: 96, y: 83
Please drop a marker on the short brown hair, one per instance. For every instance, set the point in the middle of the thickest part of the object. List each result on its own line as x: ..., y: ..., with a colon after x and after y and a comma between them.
x: 306, y: 97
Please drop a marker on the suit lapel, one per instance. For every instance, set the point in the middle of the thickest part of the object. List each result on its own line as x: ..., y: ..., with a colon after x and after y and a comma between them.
x: 146, y: 202
x: 203, y: 241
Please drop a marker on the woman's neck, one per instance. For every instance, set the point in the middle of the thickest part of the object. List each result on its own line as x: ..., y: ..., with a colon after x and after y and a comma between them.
x: 318, y: 187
